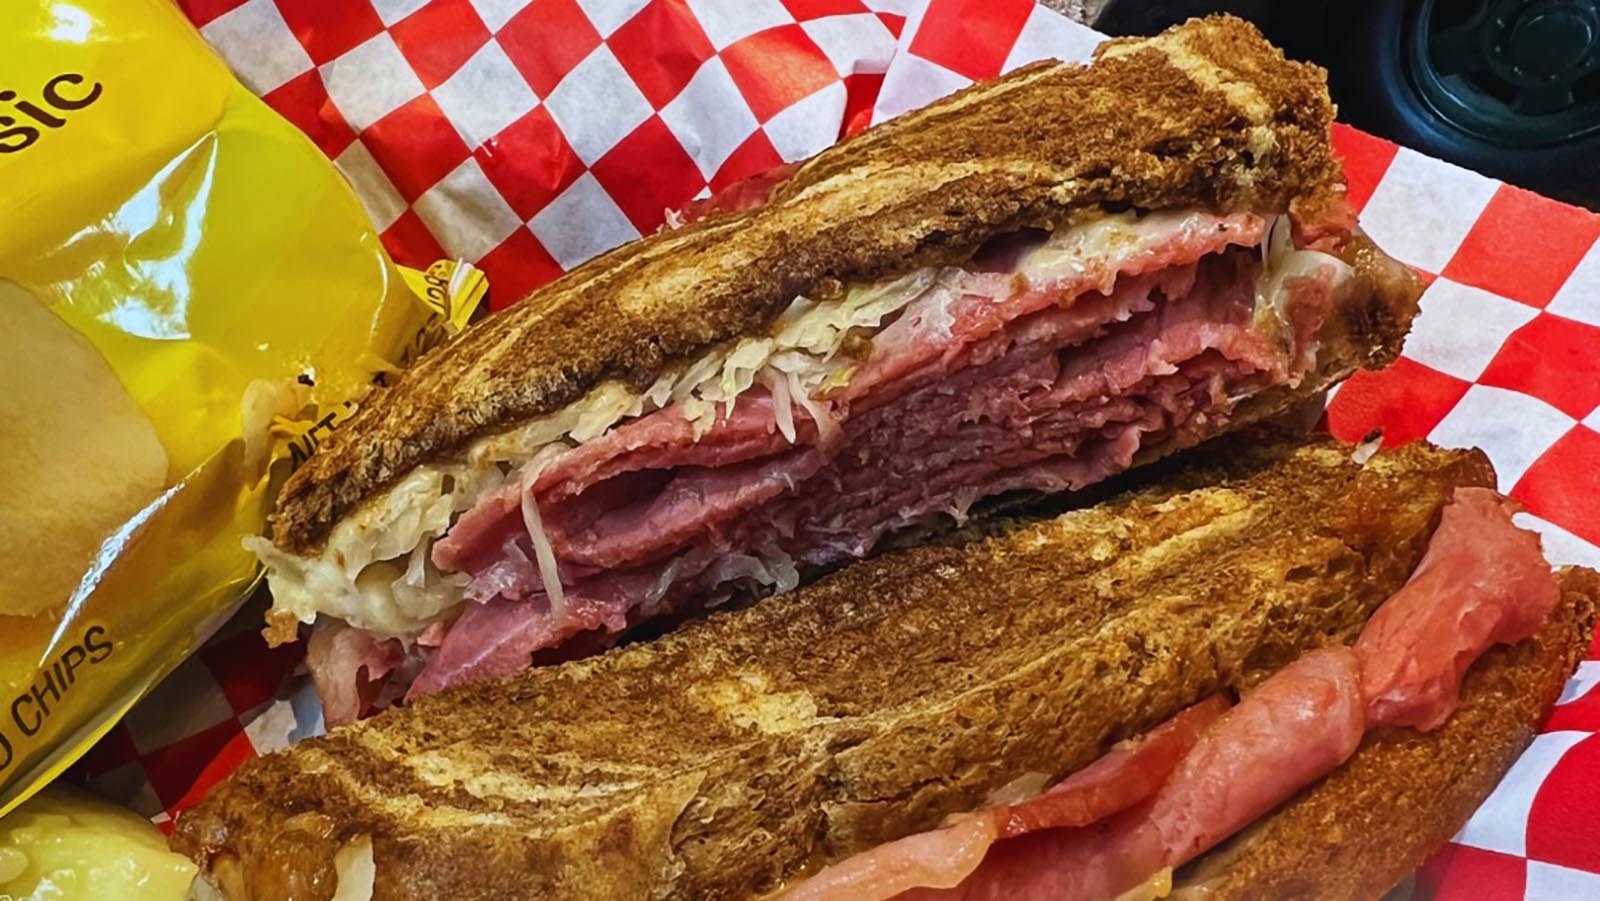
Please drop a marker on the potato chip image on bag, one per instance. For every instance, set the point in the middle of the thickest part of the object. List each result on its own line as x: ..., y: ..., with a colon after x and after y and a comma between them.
x: 81, y: 457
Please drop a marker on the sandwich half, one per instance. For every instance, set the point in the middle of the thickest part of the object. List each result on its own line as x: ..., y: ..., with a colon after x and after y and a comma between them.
x: 890, y: 728
x: 1027, y: 287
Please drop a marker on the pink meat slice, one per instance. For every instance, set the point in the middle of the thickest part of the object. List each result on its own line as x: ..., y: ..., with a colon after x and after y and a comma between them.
x: 1035, y: 419
x: 1482, y: 582
x: 942, y: 322
x: 1293, y: 729
x: 498, y: 636
x: 660, y: 441
x: 694, y: 500
x: 1129, y: 773
x: 1296, y: 727
x: 941, y: 858
x: 349, y: 666
x: 666, y: 438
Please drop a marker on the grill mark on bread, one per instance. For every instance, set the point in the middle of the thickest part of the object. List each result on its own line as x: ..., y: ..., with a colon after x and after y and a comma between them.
x: 936, y: 675
x: 1042, y: 146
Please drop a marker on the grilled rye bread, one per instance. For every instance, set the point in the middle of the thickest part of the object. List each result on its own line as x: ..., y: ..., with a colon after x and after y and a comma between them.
x: 1208, y: 115
x: 1361, y: 830
x: 721, y: 759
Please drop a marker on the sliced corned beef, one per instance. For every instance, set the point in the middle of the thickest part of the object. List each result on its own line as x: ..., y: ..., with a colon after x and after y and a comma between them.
x: 1022, y: 371
x: 1045, y: 364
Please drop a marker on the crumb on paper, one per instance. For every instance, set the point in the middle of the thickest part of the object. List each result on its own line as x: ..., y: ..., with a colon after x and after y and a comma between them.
x: 1085, y: 11
x: 1367, y: 448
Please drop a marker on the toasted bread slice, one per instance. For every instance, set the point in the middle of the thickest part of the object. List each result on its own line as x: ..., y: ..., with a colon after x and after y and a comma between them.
x: 1360, y: 831
x: 720, y: 759
x: 1207, y: 115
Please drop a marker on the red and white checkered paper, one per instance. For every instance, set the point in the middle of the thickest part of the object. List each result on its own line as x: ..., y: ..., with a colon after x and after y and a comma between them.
x: 530, y: 135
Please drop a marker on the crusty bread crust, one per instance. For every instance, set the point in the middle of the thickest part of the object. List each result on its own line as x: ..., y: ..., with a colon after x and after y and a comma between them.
x: 717, y: 760
x: 1207, y: 115
x: 1359, y: 832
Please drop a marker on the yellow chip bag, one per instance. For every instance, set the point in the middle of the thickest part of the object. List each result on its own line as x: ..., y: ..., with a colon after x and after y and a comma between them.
x: 183, y: 278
